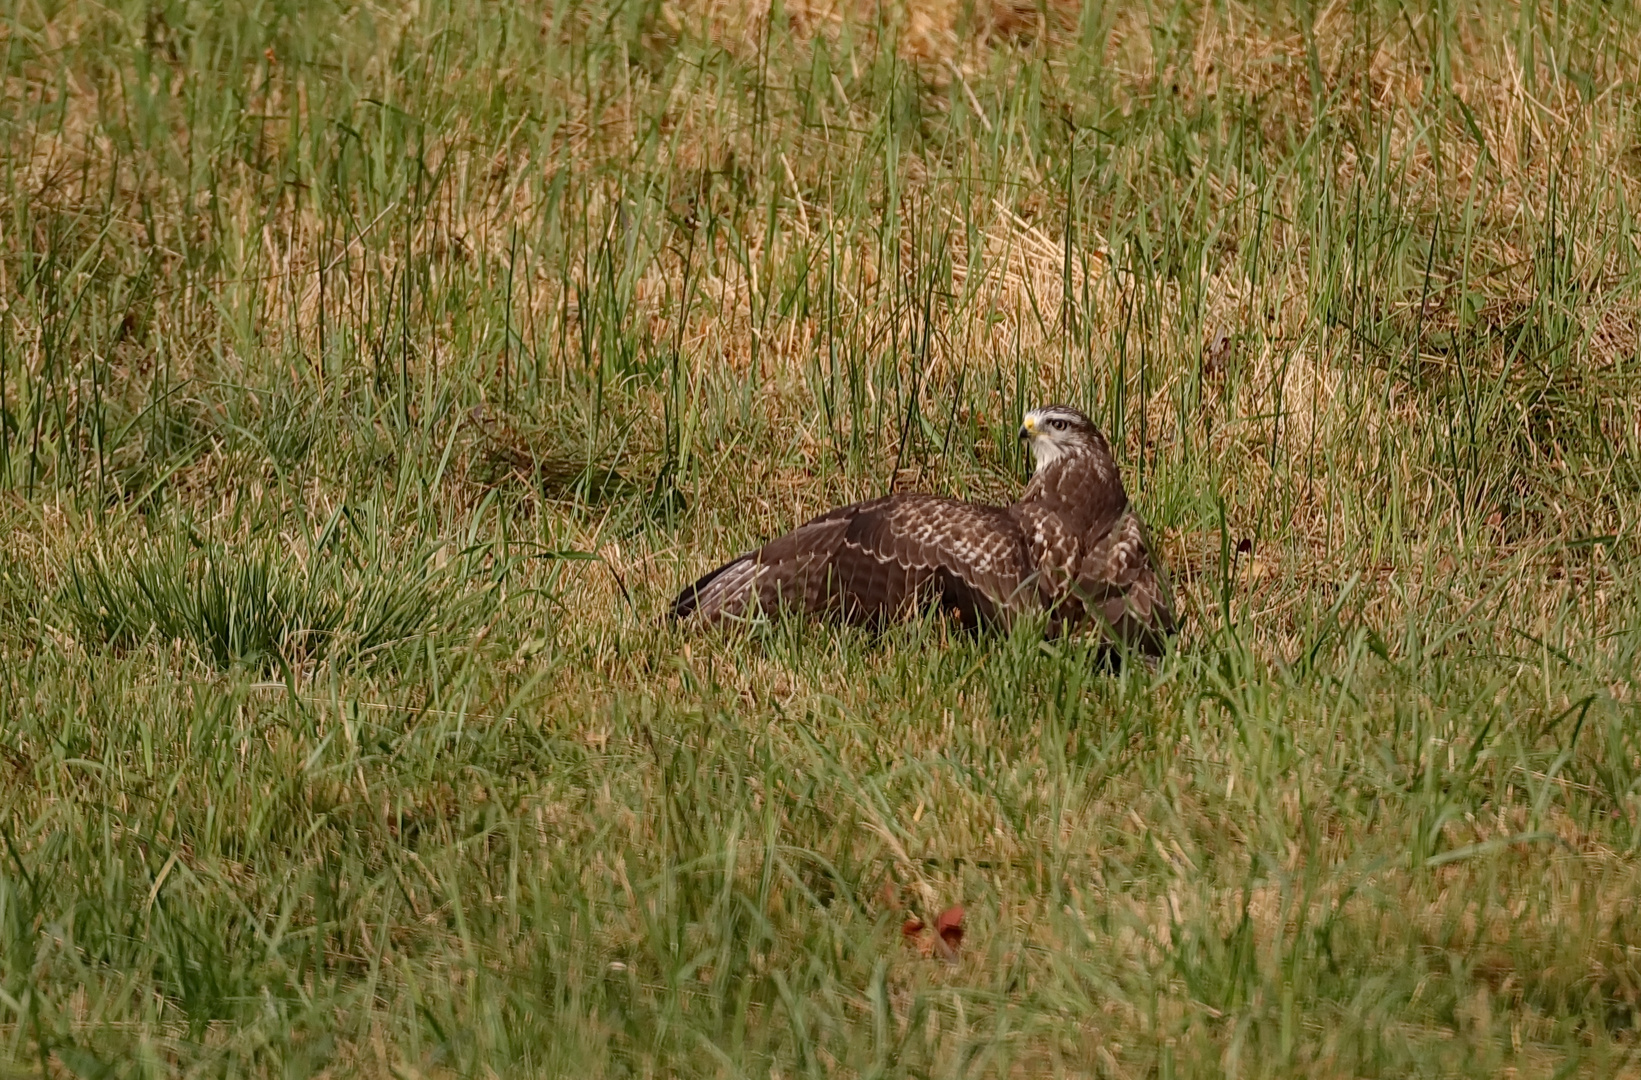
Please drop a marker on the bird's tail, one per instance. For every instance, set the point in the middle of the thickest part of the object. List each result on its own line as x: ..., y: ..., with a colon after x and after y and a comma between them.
x: 725, y: 591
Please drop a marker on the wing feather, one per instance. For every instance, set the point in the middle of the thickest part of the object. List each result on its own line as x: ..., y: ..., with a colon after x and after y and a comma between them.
x: 910, y: 549
x: 874, y: 561
x: 1121, y: 581
x: 790, y: 570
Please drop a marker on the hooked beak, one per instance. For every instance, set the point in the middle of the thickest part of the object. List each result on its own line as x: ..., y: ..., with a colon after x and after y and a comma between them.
x: 1029, y: 428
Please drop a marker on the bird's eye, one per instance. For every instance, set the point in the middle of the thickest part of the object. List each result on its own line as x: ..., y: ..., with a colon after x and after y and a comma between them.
x: 1057, y: 425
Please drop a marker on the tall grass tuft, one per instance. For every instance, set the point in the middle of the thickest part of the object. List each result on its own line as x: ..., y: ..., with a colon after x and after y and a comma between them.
x: 266, y: 604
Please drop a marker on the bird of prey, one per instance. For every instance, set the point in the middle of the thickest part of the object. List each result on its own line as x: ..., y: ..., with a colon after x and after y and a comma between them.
x: 1072, y: 548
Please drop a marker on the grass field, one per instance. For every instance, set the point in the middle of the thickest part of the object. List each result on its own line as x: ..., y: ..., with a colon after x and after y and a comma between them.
x: 372, y: 375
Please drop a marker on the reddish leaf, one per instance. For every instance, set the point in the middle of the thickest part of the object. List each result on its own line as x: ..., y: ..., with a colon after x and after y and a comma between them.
x: 911, y: 928
x: 949, y: 933
x: 950, y: 925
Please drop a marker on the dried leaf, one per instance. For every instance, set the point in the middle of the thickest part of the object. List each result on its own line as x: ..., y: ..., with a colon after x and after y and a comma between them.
x: 1216, y: 354
x: 948, y: 928
x: 911, y: 928
x: 950, y: 925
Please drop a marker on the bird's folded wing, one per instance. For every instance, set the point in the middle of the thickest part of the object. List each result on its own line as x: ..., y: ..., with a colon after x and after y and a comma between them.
x: 1121, y: 579
x: 791, y: 571
x: 897, y: 549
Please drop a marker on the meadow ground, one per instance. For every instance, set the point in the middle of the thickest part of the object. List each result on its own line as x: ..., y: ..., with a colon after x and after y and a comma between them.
x: 373, y: 373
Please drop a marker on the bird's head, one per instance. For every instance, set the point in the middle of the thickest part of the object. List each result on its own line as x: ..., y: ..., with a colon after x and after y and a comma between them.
x: 1055, y: 432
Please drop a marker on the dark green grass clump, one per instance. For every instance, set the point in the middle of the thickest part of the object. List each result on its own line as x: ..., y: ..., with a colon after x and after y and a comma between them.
x: 264, y: 603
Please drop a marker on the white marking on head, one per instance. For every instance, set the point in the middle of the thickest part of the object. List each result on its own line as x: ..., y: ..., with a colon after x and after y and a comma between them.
x: 1052, y: 432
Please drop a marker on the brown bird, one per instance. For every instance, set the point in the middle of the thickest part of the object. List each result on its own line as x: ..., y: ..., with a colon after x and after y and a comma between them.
x: 1071, y: 547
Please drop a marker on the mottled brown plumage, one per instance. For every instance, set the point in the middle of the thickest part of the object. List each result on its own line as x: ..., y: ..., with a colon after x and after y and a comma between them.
x: 1071, y: 547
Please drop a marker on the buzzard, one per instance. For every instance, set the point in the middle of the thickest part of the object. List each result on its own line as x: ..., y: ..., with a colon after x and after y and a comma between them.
x: 1071, y: 547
